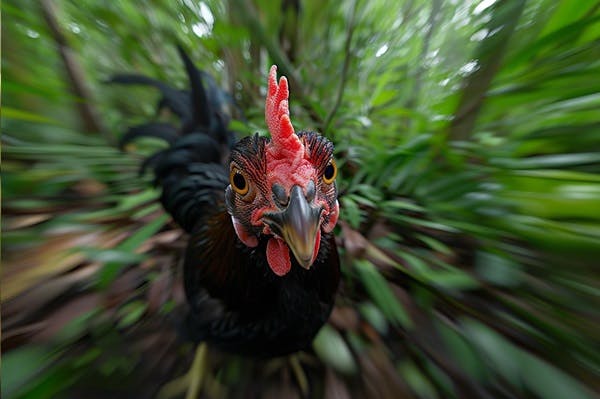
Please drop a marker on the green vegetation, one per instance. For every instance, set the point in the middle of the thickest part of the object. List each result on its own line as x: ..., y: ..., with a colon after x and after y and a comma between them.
x: 468, y: 140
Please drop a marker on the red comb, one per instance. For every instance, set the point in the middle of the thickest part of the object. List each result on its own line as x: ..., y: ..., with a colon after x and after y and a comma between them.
x: 277, y: 113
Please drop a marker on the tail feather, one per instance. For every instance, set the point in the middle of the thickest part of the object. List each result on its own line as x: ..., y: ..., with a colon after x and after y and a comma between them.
x: 201, y: 108
x: 164, y: 131
x: 187, y: 152
x: 150, y: 162
x: 178, y: 101
x: 191, y: 171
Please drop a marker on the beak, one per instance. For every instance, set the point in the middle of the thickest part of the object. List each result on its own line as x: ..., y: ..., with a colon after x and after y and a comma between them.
x: 298, y: 225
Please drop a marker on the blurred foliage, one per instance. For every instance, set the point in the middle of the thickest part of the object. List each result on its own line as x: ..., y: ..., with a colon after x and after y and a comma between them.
x: 468, y: 139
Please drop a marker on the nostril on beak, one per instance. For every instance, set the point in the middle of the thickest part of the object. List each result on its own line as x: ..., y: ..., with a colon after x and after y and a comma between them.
x: 310, y: 191
x: 280, y: 196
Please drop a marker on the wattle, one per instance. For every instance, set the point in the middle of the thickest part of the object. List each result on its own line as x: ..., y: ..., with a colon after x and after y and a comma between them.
x: 278, y: 256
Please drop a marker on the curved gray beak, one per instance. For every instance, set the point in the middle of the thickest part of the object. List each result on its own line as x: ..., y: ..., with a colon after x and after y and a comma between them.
x: 298, y: 225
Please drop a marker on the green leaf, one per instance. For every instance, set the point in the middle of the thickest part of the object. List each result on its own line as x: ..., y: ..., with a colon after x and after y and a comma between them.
x: 417, y: 380
x: 350, y: 212
x: 374, y: 316
x: 382, y: 295
x: 111, y: 269
x: 332, y: 349
x: 131, y: 313
x: 12, y: 113
x: 464, y: 352
x: 548, y: 381
x: 22, y: 365
x: 498, y: 270
x: 111, y: 255
x: 521, y: 367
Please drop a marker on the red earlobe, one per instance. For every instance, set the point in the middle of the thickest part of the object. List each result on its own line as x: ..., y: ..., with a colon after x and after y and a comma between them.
x: 333, y: 218
x: 249, y: 240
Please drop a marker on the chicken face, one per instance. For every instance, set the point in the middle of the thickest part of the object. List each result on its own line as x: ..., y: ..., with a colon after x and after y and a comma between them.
x: 283, y: 188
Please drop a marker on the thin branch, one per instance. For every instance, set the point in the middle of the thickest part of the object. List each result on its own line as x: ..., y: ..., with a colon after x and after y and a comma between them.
x: 75, y: 75
x: 345, y: 67
x: 489, y: 54
x: 431, y: 25
x: 252, y: 21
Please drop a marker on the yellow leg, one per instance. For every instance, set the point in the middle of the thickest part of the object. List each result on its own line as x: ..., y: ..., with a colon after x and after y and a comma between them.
x: 197, y: 372
x: 190, y: 381
x: 295, y: 365
x: 299, y: 374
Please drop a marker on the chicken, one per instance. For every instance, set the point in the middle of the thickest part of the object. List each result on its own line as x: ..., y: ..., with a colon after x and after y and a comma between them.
x: 261, y: 267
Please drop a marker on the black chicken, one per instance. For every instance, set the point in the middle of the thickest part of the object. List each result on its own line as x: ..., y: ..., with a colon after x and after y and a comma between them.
x: 246, y: 294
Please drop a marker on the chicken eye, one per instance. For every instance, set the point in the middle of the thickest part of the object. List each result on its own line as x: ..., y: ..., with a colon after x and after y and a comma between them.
x: 238, y: 182
x: 330, y: 172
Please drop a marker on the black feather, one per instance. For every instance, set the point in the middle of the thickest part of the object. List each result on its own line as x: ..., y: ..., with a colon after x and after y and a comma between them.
x: 164, y: 131
x: 190, y: 171
x: 178, y: 101
x: 202, y: 112
x: 236, y: 302
x: 247, y: 309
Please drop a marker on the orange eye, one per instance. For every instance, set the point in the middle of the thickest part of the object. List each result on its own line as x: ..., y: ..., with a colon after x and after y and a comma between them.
x: 238, y: 181
x: 330, y: 172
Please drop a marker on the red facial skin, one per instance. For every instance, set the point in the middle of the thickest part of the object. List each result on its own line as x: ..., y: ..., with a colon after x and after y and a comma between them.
x: 288, y: 163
